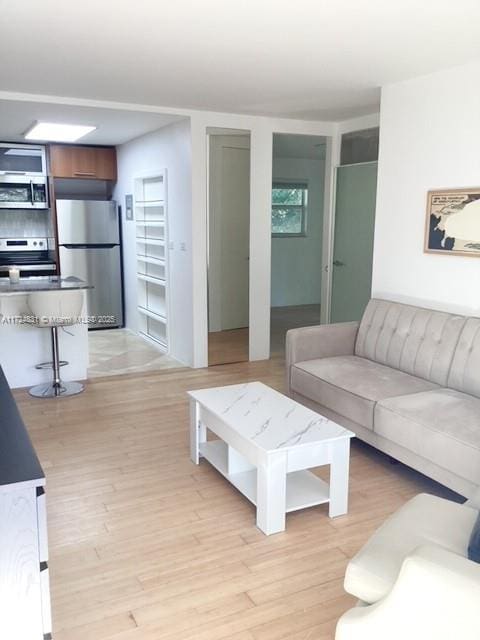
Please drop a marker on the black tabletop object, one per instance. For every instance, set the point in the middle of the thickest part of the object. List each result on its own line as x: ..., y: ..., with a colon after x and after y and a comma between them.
x: 18, y: 460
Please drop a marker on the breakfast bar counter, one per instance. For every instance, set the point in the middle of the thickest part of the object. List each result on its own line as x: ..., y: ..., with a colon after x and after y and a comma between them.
x: 41, y: 283
x: 23, y: 345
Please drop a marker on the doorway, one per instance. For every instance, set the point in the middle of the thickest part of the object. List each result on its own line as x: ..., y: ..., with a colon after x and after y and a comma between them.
x: 298, y: 178
x: 354, y: 225
x: 356, y: 187
x: 228, y: 246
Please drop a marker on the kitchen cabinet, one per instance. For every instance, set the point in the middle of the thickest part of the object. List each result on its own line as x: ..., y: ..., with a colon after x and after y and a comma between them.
x: 94, y: 163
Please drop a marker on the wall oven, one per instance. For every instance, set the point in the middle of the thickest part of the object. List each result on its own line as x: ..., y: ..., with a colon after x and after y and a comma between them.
x: 23, y: 177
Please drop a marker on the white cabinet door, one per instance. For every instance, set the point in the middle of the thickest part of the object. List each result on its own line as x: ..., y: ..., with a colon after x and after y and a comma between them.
x: 20, y: 589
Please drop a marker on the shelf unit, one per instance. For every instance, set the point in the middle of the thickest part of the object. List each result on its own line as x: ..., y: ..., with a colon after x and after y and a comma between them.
x: 150, y: 193
x: 304, y: 488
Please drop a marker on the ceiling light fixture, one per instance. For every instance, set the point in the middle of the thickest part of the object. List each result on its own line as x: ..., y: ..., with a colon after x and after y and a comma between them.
x: 51, y: 131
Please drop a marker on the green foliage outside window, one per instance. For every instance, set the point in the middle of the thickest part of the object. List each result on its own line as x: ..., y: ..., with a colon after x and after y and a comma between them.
x: 289, y: 208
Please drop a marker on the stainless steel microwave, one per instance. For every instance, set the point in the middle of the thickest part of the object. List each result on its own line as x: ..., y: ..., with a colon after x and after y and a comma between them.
x: 23, y: 177
x: 23, y: 192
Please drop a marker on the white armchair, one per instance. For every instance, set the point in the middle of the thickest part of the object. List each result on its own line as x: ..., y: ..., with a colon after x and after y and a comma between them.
x: 430, y: 591
x: 474, y: 501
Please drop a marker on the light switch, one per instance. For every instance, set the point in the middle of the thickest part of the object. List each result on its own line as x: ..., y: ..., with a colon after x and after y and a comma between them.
x: 129, y: 206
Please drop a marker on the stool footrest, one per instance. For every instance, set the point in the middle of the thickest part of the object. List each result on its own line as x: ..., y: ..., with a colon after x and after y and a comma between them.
x: 49, y: 365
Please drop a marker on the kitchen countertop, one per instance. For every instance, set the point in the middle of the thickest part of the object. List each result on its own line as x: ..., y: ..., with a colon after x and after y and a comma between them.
x: 42, y: 283
x: 18, y: 460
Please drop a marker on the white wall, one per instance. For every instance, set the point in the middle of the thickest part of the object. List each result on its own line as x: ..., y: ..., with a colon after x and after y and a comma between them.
x: 170, y: 148
x: 297, y: 262
x: 429, y: 138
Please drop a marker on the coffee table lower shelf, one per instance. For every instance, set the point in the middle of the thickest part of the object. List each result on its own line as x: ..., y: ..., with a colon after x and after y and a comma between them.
x: 303, y: 488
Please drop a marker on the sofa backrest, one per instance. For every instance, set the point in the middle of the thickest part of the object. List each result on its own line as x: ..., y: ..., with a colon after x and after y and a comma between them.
x: 465, y: 370
x: 418, y: 341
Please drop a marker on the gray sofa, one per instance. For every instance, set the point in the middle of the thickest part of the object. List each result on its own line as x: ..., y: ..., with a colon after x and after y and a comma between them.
x: 404, y: 379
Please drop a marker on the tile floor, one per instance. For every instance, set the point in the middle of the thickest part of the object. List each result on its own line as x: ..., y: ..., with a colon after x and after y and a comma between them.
x: 118, y: 351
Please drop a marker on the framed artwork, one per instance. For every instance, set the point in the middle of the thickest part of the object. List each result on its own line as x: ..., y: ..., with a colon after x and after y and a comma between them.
x: 453, y: 222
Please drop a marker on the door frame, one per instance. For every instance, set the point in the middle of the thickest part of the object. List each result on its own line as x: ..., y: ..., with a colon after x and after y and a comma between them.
x: 329, y: 232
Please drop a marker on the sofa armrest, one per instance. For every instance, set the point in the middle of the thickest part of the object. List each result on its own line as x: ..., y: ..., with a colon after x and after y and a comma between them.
x: 320, y: 341
x: 474, y: 500
x: 435, y: 597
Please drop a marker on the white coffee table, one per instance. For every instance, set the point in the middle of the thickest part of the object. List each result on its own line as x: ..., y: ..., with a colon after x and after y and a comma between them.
x: 267, y: 443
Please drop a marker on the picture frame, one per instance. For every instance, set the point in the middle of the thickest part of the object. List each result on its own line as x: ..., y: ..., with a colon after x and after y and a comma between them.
x: 452, y: 225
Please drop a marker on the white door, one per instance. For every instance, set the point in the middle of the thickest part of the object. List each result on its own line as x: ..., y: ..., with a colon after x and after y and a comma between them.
x: 229, y: 232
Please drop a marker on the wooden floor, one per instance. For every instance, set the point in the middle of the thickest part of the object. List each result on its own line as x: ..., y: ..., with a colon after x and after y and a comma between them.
x: 146, y: 546
x: 232, y: 346
x: 228, y: 346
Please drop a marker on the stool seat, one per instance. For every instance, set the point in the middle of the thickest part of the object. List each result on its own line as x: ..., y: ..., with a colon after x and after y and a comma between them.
x: 53, y: 309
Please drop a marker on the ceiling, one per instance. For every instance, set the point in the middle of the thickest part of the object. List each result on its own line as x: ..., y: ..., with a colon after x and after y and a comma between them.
x: 312, y: 59
x: 113, y: 126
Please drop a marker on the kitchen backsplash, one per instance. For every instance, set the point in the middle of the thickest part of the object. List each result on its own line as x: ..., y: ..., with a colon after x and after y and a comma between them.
x: 17, y: 223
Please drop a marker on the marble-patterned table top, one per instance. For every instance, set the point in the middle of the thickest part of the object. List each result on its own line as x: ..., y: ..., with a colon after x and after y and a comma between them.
x: 42, y: 283
x: 266, y: 417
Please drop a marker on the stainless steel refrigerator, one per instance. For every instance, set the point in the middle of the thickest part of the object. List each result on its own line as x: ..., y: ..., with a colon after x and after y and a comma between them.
x: 89, y: 244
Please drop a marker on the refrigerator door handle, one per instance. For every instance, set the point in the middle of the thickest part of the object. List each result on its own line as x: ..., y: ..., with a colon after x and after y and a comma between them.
x: 101, y: 245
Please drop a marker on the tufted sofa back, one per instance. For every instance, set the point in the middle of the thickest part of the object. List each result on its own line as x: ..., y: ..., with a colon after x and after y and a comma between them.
x: 465, y: 370
x: 418, y: 341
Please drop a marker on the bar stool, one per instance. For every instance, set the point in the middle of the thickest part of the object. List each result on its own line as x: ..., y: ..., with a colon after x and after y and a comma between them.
x: 54, y: 309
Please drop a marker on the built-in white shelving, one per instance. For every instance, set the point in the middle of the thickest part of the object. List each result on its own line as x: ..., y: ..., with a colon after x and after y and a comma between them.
x: 146, y: 223
x: 152, y: 257
x: 154, y: 241
x: 149, y: 259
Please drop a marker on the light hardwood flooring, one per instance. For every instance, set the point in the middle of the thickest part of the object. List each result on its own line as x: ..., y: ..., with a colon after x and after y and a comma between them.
x: 144, y: 545
x: 232, y: 346
x: 227, y: 346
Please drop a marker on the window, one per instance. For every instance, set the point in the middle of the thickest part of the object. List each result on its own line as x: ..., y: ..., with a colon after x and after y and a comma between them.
x: 360, y: 146
x: 289, y: 209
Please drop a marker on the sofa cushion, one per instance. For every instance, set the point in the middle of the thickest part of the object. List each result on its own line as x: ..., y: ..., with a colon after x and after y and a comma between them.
x: 423, y: 520
x: 418, y: 341
x: 442, y: 426
x: 351, y: 386
x: 465, y: 371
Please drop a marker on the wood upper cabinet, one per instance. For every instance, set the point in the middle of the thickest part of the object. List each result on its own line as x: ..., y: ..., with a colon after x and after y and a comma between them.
x: 94, y: 163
